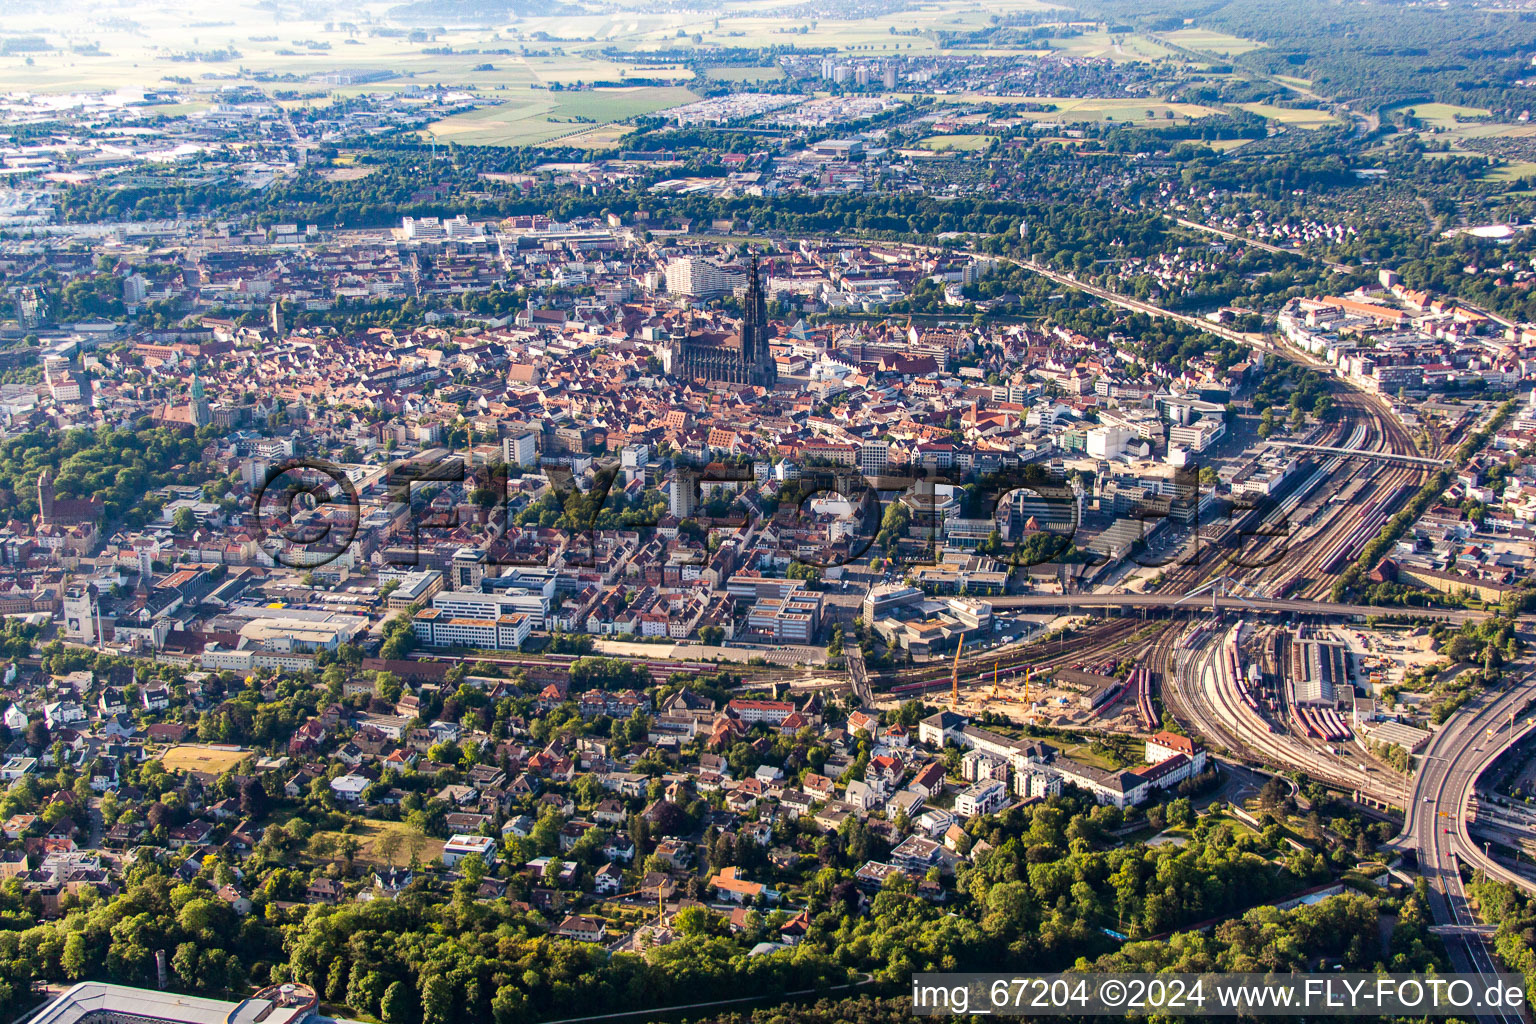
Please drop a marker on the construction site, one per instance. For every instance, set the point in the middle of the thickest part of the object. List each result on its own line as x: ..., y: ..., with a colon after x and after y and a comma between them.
x: 1097, y: 685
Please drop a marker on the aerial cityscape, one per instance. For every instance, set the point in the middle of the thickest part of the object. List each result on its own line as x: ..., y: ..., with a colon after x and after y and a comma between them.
x: 723, y: 511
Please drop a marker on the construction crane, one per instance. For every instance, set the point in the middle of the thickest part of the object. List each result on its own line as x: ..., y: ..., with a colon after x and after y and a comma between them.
x: 954, y: 676
x: 994, y: 679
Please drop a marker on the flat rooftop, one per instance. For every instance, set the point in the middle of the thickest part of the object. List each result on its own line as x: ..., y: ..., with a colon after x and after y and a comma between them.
x: 94, y: 1000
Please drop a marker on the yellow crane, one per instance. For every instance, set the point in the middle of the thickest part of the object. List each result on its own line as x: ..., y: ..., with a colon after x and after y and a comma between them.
x: 954, y: 675
x: 994, y: 679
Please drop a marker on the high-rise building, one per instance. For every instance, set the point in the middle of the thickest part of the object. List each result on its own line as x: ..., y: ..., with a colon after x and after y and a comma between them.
x: 890, y: 76
x: 520, y: 449
x: 696, y: 275
x: 684, y: 496
x: 874, y: 457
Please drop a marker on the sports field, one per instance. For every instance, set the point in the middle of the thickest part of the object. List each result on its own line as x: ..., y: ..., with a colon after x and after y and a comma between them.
x: 965, y: 143
x: 198, y: 758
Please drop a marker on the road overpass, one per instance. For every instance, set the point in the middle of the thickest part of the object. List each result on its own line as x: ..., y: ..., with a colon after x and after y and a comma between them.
x: 1232, y: 603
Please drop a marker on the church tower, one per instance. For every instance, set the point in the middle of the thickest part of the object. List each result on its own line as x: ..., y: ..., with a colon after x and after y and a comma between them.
x: 200, y: 413
x: 755, y: 351
x: 44, y: 497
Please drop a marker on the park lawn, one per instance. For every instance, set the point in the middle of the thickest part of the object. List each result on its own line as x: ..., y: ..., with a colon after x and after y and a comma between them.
x: 1213, y: 42
x: 966, y: 143
x: 542, y: 116
x: 1295, y: 117
x: 197, y: 758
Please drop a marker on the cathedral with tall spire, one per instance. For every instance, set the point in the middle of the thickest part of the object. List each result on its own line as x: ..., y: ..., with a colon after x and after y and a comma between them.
x: 745, y: 357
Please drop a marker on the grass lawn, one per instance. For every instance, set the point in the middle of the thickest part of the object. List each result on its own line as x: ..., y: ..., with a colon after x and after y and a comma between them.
x: 541, y: 116
x: 967, y: 143
x: 1213, y: 42
x: 196, y: 758
x: 367, y: 834
x: 1087, y: 755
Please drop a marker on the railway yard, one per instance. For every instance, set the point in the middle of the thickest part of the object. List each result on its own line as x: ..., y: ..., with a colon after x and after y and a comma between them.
x: 1276, y: 691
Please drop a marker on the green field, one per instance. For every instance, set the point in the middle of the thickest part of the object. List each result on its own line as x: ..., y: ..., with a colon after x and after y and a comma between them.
x: 1212, y: 42
x: 965, y: 143
x: 1512, y: 172
x: 1296, y: 117
x: 1441, y: 115
x: 541, y: 116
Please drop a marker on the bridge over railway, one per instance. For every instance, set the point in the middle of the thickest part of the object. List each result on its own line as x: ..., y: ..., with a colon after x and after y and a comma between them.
x: 1364, y: 453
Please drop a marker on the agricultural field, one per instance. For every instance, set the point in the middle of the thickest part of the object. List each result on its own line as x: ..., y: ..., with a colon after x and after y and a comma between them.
x: 254, y: 40
x: 1218, y: 43
x: 1116, y: 47
x: 1294, y: 117
x: 757, y: 24
x: 523, y: 120
x: 191, y: 757
x: 1496, y: 131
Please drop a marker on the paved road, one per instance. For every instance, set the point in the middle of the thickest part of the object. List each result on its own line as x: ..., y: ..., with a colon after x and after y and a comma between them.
x: 1246, y: 240
x: 1435, y: 821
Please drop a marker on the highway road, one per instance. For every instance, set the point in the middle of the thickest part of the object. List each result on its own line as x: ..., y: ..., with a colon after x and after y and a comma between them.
x: 1435, y: 822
